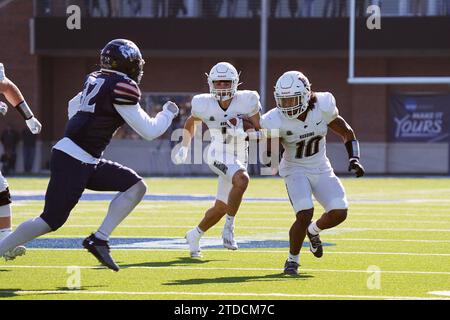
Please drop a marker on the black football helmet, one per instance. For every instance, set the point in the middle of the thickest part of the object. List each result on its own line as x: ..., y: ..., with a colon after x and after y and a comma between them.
x: 124, y: 56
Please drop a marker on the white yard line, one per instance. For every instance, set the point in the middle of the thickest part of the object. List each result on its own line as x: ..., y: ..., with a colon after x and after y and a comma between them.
x: 187, y: 268
x: 220, y: 294
x: 245, y: 251
x: 267, y: 239
x: 260, y: 228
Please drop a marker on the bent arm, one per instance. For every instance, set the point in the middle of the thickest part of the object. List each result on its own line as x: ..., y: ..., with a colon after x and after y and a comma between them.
x: 189, y: 130
x: 147, y: 127
x: 11, y: 92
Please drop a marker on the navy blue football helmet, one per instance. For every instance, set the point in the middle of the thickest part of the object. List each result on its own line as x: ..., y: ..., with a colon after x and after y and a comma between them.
x: 124, y: 56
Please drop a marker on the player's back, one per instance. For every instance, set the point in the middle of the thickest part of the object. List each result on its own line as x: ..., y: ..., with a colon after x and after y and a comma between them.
x: 94, y: 125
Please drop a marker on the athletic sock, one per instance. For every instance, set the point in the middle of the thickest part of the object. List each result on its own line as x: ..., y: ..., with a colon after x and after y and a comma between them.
x: 5, y: 232
x: 314, y: 229
x: 119, y: 208
x: 25, y: 232
x: 200, y: 233
x: 293, y: 258
x: 229, y: 220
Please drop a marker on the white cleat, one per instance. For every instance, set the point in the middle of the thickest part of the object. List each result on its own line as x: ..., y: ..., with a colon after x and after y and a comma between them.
x: 14, y: 253
x: 193, y: 240
x: 228, y: 238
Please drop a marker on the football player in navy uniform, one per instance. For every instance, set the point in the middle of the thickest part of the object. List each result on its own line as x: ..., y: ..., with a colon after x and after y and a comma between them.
x: 110, y: 98
x: 15, y: 98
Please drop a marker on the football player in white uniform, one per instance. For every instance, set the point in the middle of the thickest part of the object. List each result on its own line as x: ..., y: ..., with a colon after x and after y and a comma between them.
x: 302, y: 118
x: 15, y: 98
x: 222, y: 111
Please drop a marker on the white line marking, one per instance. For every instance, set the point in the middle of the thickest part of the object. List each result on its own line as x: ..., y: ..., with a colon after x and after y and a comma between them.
x: 283, y: 238
x: 440, y: 293
x: 187, y: 268
x: 245, y: 251
x: 260, y: 228
x: 219, y: 294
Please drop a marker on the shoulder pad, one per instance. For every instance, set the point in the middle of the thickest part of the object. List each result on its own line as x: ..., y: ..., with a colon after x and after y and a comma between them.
x: 200, y: 104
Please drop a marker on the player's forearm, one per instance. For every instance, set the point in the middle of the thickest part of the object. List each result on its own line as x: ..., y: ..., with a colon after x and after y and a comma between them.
x: 188, y: 132
x: 147, y: 127
x: 11, y: 92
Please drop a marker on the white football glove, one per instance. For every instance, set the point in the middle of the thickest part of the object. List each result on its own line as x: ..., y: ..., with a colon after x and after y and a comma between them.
x: 171, y: 107
x: 34, y: 125
x: 181, y: 156
x: 3, y: 108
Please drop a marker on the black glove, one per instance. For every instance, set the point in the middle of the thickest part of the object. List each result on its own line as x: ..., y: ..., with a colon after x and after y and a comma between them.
x: 356, y: 167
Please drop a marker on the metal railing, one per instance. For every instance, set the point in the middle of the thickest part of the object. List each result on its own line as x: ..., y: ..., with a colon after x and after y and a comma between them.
x: 239, y: 8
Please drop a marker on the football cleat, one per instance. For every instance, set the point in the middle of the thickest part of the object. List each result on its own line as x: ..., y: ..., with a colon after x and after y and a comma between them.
x: 315, y: 245
x: 100, y: 249
x: 193, y: 240
x: 14, y: 253
x: 291, y: 268
x: 228, y: 237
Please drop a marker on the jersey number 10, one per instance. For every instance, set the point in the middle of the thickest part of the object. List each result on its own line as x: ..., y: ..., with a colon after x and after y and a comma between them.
x: 308, y: 149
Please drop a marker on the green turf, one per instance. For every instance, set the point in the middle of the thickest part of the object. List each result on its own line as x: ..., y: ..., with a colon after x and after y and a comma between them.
x: 407, y: 237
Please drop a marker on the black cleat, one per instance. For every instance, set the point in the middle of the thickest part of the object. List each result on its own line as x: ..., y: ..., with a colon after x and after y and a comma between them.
x: 291, y: 268
x: 100, y: 249
x: 315, y: 245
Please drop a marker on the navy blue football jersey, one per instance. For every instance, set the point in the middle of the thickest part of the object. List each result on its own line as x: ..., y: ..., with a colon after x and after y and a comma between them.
x: 93, y: 127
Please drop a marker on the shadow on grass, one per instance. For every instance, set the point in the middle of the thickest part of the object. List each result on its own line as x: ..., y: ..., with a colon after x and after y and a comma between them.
x: 269, y: 277
x: 184, y: 261
x: 11, y: 293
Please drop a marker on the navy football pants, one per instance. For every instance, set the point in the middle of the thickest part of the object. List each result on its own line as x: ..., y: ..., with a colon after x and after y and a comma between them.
x: 70, y: 177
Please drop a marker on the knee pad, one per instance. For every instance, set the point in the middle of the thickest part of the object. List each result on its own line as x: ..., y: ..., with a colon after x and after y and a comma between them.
x: 5, y: 197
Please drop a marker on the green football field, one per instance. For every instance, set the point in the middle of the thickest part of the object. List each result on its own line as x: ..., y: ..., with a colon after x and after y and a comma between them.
x: 395, y: 244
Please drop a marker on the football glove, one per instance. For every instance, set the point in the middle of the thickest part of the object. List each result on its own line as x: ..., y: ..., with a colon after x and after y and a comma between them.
x: 355, y: 166
x: 34, y: 125
x: 171, y: 107
x: 181, y: 156
x: 3, y: 108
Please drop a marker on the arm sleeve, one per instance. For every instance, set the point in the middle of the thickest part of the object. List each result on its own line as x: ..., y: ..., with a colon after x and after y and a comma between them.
x: 147, y: 127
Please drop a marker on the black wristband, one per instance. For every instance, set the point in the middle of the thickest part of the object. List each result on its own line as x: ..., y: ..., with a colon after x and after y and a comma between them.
x: 24, y: 110
x: 352, y: 147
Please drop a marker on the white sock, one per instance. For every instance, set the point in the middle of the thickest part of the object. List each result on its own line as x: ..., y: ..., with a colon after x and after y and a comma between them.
x: 292, y: 258
x: 119, y: 208
x: 27, y: 231
x: 199, y: 231
x: 5, y: 232
x: 314, y: 229
x: 229, y: 220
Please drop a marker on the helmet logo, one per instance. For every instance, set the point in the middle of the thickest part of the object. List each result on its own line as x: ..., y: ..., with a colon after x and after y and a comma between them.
x: 128, y: 52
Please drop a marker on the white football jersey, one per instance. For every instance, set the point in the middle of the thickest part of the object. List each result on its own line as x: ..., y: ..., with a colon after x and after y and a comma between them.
x: 205, y: 107
x: 304, y: 142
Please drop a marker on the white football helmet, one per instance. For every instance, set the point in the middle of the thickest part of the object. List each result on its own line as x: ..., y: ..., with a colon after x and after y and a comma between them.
x: 220, y: 72
x: 292, y: 94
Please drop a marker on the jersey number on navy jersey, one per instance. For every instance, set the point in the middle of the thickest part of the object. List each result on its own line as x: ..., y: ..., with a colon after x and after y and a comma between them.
x: 308, y: 148
x: 91, y: 89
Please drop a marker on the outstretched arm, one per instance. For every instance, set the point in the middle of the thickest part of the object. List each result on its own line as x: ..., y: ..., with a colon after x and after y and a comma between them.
x: 345, y: 131
x: 147, y: 127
